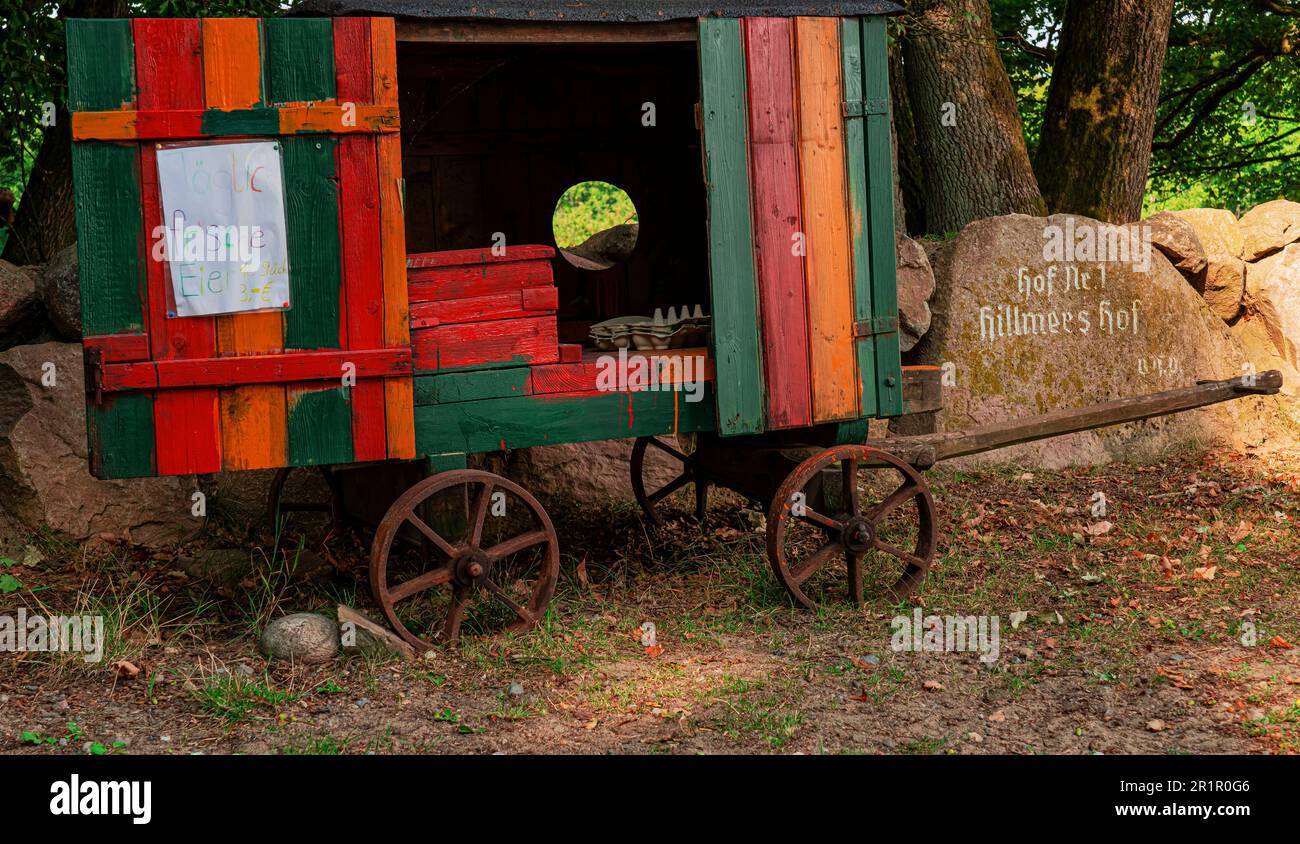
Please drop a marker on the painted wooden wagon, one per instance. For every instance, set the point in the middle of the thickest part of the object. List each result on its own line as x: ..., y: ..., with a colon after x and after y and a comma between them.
x: 429, y: 320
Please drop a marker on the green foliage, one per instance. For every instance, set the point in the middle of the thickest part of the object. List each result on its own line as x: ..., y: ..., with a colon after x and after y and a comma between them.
x: 1228, y: 61
x: 33, y: 59
x: 587, y: 208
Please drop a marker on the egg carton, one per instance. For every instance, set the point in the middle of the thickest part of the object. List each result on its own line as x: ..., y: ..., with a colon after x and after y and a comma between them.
x: 674, y: 331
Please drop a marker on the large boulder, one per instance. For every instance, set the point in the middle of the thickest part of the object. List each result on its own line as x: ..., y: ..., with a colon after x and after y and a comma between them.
x: 60, y: 290
x: 1030, y: 331
x: 1177, y: 239
x: 19, y: 305
x: 1275, y: 301
x: 1222, y: 283
x: 915, y: 287
x: 1267, y: 228
x: 44, y: 478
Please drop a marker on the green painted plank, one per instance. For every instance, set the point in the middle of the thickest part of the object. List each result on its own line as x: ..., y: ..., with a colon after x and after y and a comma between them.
x: 298, y: 59
x: 855, y: 156
x: 320, y: 427
x: 243, y: 121
x: 880, y: 208
x: 493, y: 424
x: 298, y: 66
x: 446, y: 462
x: 101, y: 64
x: 472, y: 386
x: 736, y: 348
x: 120, y: 434
x: 315, y: 260
x: 110, y: 238
x: 106, y: 192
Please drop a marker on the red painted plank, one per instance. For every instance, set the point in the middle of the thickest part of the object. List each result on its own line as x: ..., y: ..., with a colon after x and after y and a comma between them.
x: 570, y: 353
x: 255, y: 369
x: 774, y: 160
x: 517, y: 341
x: 530, y: 301
x: 117, y: 348
x: 582, y: 375
x: 176, y: 123
x: 433, y: 284
x: 169, y: 75
x: 458, y: 257
x: 363, y: 284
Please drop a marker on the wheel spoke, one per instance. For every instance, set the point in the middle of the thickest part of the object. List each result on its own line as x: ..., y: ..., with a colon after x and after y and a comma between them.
x: 849, y: 469
x: 495, y: 589
x: 681, y: 481
x: 896, y: 499
x: 440, y: 543
x: 479, y: 515
x: 854, y: 562
x: 809, y: 566
x: 515, y: 545
x: 455, y: 614
x: 670, y: 450
x: 812, y: 517
x: 895, y: 551
x: 418, y: 584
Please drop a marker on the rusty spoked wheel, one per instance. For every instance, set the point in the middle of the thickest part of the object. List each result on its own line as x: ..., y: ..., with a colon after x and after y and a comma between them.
x: 854, y: 514
x: 653, y: 455
x: 285, y: 501
x: 464, y: 550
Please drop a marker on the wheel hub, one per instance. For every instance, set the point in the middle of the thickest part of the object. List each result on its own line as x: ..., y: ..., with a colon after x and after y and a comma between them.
x: 471, y: 567
x: 858, y: 534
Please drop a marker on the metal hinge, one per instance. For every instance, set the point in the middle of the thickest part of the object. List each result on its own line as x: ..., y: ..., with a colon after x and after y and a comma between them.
x: 872, y: 327
x: 861, y: 108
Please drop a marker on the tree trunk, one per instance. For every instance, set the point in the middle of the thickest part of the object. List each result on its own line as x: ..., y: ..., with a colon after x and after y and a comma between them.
x: 45, y: 221
x: 909, y: 210
x: 967, y: 125
x: 1101, y: 108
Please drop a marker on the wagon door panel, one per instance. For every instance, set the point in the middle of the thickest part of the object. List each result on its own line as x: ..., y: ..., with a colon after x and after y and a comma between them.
x: 804, y: 293
x: 246, y: 390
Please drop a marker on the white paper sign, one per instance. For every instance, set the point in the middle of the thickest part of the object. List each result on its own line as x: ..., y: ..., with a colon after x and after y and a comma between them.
x: 223, y: 213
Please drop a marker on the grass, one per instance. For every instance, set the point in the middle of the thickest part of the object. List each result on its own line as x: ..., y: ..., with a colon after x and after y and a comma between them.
x: 740, y: 665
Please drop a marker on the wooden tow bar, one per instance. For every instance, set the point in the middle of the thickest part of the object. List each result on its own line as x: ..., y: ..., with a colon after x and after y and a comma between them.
x: 860, y: 519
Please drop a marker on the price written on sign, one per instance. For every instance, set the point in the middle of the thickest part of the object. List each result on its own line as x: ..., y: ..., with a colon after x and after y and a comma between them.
x: 224, y: 234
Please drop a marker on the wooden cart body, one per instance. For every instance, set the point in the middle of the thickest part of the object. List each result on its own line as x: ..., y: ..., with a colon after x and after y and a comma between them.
x: 456, y: 352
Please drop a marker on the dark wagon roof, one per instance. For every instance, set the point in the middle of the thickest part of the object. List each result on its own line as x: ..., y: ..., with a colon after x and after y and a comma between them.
x: 634, y: 11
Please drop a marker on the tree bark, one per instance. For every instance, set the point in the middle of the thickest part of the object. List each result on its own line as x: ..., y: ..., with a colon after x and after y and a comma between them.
x: 909, y: 208
x: 968, y: 127
x: 1095, y: 149
x: 45, y: 221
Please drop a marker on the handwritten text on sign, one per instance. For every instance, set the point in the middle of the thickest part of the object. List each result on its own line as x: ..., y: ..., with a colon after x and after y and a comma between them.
x: 223, y: 208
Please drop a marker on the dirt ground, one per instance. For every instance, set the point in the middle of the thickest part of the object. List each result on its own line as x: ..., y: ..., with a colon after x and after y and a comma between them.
x: 1165, y: 627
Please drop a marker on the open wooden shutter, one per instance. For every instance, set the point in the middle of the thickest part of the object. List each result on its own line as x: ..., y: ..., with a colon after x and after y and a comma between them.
x: 252, y: 390
x: 800, y: 221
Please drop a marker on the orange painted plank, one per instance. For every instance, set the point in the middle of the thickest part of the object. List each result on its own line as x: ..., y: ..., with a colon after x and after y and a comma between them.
x: 823, y: 189
x: 359, y: 117
x: 399, y: 414
x: 253, y: 418
x: 87, y: 125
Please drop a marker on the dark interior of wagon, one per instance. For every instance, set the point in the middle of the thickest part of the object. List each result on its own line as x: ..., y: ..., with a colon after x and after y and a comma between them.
x: 493, y: 135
